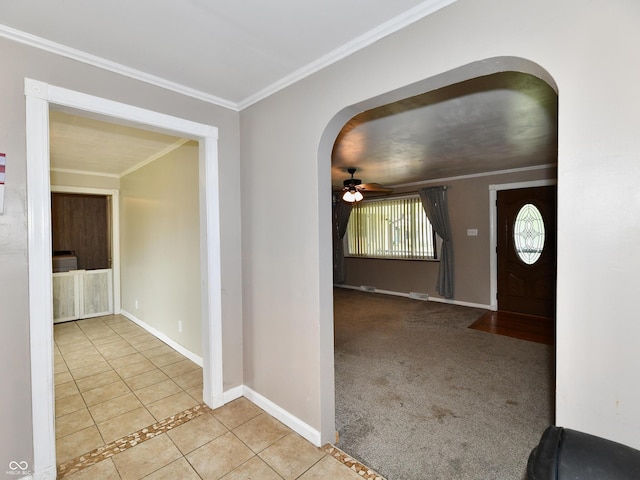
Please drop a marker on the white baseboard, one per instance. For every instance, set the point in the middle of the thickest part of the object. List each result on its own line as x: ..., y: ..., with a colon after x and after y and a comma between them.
x: 291, y: 421
x: 161, y: 336
x: 408, y: 295
x: 46, y: 474
x: 458, y: 302
x: 233, y: 394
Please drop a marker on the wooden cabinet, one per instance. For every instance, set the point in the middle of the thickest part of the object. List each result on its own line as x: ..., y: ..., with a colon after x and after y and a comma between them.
x: 82, y: 294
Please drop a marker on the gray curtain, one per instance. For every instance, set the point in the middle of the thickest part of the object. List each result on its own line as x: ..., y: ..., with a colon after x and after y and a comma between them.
x: 341, y: 213
x: 434, y: 201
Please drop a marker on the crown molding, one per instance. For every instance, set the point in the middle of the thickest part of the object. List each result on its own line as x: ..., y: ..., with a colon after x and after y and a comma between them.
x: 407, y: 18
x: 398, y: 23
x: 476, y: 175
x: 154, y: 157
x: 87, y: 58
x: 84, y: 172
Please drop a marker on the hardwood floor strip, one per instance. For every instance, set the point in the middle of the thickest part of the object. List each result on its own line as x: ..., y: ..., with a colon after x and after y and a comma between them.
x: 516, y: 325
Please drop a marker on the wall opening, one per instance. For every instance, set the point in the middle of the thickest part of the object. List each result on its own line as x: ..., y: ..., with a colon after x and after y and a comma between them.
x: 39, y: 97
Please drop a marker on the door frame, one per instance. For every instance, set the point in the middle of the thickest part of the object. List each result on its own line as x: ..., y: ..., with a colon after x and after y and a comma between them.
x: 493, y: 230
x: 39, y: 97
x: 115, y: 231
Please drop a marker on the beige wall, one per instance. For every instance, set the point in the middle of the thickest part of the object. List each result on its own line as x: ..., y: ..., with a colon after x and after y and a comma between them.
x: 468, y: 208
x: 19, y: 62
x: 588, y: 50
x: 160, y: 246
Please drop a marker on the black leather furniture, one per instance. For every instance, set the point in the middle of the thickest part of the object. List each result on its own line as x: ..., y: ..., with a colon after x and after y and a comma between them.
x: 565, y: 454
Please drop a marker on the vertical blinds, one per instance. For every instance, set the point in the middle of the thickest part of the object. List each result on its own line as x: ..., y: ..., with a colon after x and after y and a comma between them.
x: 390, y: 228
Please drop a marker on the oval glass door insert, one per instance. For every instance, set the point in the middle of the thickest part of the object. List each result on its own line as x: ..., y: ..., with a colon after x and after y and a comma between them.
x: 528, y: 234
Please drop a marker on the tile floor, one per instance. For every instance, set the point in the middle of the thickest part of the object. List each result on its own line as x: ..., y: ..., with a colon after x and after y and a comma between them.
x: 128, y: 406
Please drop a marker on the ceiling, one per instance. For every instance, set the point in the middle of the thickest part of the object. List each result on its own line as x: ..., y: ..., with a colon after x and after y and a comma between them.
x: 235, y: 53
x: 228, y: 52
x: 492, y: 123
x: 85, y: 145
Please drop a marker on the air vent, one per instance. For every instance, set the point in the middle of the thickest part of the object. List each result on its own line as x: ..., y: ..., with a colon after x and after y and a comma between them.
x: 419, y: 296
x: 367, y: 288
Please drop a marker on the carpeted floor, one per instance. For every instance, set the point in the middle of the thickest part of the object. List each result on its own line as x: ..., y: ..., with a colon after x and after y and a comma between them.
x: 420, y: 396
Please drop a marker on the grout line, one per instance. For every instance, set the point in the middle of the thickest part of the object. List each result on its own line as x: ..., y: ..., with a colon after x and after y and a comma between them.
x: 362, y: 470
x: 129, y: 441
x: 111, y: 448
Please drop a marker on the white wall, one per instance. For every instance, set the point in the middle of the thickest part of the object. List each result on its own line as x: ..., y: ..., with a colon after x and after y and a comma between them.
x: 160, y: 246
x: 589, y: 51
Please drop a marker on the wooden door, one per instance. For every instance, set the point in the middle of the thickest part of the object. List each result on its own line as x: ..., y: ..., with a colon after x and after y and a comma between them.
x: 526, y: 222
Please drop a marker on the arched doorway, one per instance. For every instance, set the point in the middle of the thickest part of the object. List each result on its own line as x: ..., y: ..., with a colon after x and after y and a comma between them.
x: 475, y: 70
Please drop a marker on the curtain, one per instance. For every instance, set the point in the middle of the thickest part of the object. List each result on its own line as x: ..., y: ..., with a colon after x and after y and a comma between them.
x: 434, y: 201
x: 341, y: 213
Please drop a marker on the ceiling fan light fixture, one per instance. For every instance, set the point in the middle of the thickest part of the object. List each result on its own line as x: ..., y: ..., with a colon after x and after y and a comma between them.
x: 352, y: 196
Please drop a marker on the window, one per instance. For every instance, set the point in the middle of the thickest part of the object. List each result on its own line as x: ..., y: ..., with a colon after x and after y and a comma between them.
x: 391, y: 228
x: 528, y: 234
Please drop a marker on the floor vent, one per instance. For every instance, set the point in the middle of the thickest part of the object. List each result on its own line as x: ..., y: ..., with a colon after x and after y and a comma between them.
x: 367, y: 288
x: 419, y: 296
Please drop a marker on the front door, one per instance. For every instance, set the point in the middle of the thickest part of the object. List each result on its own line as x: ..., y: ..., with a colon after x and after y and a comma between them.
x: 526, y: 249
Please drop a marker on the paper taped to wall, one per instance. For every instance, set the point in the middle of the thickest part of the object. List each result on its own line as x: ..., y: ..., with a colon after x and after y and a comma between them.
x: 3, y: 164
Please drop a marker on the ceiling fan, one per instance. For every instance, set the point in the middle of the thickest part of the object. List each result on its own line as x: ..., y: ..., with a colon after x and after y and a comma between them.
x: 354, y: 188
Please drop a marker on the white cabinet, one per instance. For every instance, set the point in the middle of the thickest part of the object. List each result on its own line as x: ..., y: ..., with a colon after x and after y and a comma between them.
x: 82, y: 294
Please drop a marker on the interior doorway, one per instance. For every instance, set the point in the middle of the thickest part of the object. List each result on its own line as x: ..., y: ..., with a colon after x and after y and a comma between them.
x: 461, y: 74
x: 81, y: 242
x: 39, y: 97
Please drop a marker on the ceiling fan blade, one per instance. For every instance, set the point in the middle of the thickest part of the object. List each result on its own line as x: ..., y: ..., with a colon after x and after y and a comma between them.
x: 374, y: 187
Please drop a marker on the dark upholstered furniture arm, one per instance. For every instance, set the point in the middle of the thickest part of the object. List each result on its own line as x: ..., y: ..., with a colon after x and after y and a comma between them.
x: 565, y: 454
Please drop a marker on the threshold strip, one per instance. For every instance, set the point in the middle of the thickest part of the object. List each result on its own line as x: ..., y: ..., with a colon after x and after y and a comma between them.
x: 129, y: 441
x: 362, y: 470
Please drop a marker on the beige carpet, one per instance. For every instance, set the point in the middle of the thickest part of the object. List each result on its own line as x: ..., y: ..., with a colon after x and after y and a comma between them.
x: 420, y: 396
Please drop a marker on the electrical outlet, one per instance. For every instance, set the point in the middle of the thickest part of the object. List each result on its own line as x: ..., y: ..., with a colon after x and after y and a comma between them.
x: 179, y: 326
x: 136, y: 303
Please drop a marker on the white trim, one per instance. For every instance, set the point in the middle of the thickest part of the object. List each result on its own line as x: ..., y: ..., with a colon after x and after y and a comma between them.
x: 460, y: 303
x: 395, y: 24
x: 39, y: 96
x: 493, y: 240
x: 233, y: 393
x: 211, y: 279
x: 408, y: 295
x: 128, y: 113
x: 115, y: 231
x: 476, y: 175
x: 84, y: 172
x: 154, y: 157
x: 40, y: 287
x: 197, y: 359
x: 279, y: 413
x: 84, y: 57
